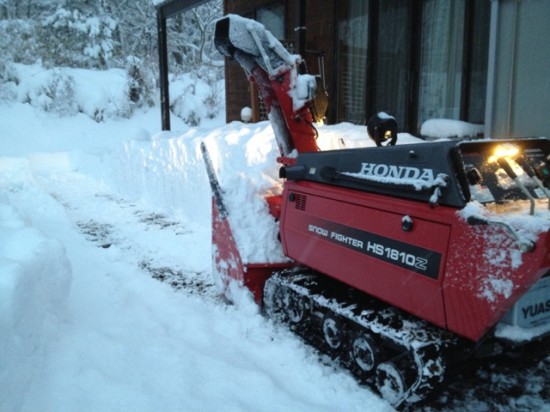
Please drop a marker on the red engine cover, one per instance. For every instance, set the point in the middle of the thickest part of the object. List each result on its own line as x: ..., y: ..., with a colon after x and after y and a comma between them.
x: 426, y: 261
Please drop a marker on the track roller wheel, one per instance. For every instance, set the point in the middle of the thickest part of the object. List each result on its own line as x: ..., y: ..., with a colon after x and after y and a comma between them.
x: 296, y: 307
x: 391, y: 383
x: 333, y: 331
x: 274, y: 302
x: 363, y: 352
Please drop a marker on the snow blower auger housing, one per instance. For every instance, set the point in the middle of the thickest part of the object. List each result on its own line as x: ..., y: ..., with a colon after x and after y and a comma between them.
x: 400, y: 255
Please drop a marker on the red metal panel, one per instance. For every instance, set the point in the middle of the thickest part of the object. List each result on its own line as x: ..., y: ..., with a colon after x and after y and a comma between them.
x: 299, y: 122
x: 228, y: 264
x: 311, y: 231
x: 226, y: 256
x: 480, y: 274
x: 484, y: 278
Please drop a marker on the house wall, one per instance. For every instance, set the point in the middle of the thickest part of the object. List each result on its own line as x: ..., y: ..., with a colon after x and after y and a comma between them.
x: 520, y: 102
x: 518, y: 82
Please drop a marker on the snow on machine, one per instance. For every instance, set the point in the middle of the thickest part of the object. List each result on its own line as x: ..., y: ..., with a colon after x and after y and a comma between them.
x: 400, y: 259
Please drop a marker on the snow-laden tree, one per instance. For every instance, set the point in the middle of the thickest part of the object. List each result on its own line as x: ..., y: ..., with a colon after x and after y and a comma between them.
x: 104, y: 34
x: 72, y: 37
x: 26, y: 9
x: 190, y: 37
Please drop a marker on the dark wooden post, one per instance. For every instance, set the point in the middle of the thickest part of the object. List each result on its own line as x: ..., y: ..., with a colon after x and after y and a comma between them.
x: 163, y: 69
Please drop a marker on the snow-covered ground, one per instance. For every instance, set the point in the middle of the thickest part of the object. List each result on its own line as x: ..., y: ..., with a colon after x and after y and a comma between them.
x: 92, y: 216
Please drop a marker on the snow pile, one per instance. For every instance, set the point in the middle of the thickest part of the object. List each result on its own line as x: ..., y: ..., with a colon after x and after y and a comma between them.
x: 67, y: 91
x: 245, y: 161
x: 167, y: 171
x: 444, y: 128
x: 35, y: 278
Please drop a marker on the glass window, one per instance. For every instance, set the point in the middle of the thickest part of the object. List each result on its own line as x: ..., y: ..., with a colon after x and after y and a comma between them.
x: 441, y: 59
x: 477, y: 74
x: 273, y: 18
x: 352, y: 47
x: 414, y: 60
x: 391, y: 86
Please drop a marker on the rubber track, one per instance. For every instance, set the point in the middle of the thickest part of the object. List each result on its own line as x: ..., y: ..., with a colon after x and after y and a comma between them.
x: 416, y: 347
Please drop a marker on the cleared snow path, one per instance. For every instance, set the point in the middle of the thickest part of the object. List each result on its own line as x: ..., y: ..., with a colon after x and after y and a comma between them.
x: 128, y: 342
x: 147, y: 239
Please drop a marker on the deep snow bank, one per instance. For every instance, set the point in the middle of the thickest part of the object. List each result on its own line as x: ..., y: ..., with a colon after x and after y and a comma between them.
x: 167, y: 172
x: 35, y: 278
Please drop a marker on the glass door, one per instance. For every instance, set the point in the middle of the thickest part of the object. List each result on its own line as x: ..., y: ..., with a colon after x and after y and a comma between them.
x: 353, y: 25
x: 441, y: 59
x: 413, y: 59
x: 390, y: 86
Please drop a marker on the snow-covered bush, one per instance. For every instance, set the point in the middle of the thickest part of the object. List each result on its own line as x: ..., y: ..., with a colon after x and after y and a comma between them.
x: 141, y: 83
x: 112, y: 109
x: 67, y: 91
x: 188, y: 107
x: 55, y: 94
x: 8, y: 81
x: 196, y: 97
x: 213, y: 102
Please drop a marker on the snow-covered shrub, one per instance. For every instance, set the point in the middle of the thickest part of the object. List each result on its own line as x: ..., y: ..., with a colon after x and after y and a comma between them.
x: 188, y: 105
x: 8, y: 72
x: 98, y: 94
x: 214, y: 99
x: 113, y: 109
x: 141, y: 83
x: 197, y: 97
x: 8, y: 81
x: 56, y: 93
x: 189, y: 108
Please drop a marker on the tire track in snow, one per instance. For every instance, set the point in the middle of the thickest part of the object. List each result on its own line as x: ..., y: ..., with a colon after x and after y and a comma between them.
x: 155, y: 243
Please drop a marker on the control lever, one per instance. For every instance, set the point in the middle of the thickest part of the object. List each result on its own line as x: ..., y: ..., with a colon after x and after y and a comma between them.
x: 524, y: 164
x: 503, y: 162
